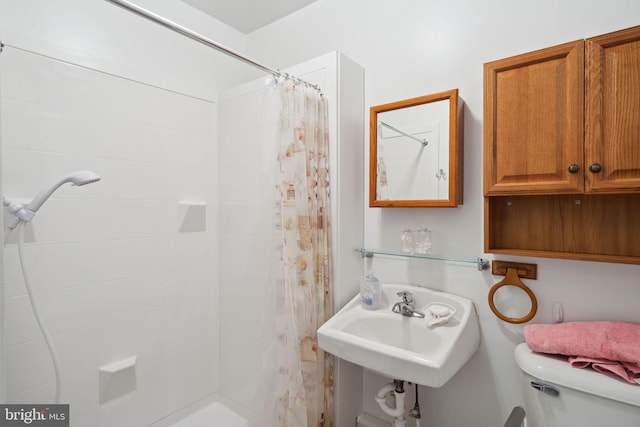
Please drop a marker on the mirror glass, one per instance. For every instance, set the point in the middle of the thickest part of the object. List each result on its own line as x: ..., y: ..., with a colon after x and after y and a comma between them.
x: 414, y: 152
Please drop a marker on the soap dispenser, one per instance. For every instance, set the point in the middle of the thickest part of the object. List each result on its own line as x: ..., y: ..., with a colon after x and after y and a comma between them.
x: 370, y: 290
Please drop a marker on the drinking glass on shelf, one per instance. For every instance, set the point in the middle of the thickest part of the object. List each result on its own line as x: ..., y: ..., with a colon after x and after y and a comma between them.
x: 407, y: 241
x: 423, y: 241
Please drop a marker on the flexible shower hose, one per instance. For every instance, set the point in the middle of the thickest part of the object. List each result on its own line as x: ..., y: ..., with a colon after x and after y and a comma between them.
x: 36, y: 313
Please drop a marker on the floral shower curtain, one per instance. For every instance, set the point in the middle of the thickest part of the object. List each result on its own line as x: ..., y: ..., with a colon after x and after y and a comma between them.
x: 297, y: 389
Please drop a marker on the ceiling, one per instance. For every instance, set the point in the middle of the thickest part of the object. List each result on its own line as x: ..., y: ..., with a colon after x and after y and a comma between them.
x: 248, y: 15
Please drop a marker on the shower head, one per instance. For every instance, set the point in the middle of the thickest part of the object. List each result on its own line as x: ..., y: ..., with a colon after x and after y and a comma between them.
x: 22, y: 213
x: 81, y: 178
x: 75, y: 178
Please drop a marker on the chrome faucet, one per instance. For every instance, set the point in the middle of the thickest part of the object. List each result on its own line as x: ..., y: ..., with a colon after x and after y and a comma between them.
x: 406, y: 307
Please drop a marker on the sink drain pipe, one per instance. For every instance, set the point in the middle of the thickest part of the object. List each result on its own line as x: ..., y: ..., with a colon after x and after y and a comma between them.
x: 415, y: 412
x: 397, y: 388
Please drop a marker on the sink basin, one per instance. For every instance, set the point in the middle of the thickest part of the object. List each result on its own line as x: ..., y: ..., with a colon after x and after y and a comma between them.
x: 402, y: 347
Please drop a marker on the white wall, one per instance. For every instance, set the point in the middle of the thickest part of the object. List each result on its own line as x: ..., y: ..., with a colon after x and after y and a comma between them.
x: 115, y: 272
x: 245, y: 143
x: 103, y: 36
x: 413, y: 48
x: 87, y: 85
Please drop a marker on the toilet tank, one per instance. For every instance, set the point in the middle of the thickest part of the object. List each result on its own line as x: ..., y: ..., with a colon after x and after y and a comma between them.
x: 558, y: 395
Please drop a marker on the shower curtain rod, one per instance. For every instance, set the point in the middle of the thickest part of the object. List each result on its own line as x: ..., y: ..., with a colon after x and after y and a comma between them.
x: 424, y: 142
x: 206, y: 41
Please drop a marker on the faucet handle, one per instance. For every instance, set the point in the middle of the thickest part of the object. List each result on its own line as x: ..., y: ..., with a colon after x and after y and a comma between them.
x: 407, y: 297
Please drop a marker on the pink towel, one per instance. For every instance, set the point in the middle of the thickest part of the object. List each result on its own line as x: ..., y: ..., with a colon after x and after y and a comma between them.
x: 628, y: 371
x: 609, y: 347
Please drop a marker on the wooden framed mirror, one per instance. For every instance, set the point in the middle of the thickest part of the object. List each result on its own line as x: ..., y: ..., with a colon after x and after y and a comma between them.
x: 415, y: 155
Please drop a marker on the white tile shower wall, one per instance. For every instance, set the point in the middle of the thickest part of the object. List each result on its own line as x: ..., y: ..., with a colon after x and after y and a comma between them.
x: 113, y: 275
x: 102, y: 36
x: 243, y: 126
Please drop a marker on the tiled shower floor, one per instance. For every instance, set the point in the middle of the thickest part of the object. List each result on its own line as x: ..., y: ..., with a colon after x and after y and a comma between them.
x: 215, y: 414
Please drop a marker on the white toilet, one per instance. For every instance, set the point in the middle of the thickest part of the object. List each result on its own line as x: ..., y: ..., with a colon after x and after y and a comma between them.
x: 558, y: 395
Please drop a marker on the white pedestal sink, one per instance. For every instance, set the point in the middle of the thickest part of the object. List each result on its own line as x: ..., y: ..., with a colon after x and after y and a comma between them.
x: 402, y: 347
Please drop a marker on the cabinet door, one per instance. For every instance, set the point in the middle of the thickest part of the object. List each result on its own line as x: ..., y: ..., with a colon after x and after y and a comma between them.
x: 612, y: 127
x: 533, y: 122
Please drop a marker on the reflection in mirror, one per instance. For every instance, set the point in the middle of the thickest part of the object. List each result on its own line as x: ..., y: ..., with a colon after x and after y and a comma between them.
x: 409, y: 153
x: 414, y: 152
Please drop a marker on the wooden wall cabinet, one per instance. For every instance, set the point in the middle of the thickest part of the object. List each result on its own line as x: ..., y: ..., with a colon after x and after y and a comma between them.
x: 533, y: 122
x: 612, y: 112
x: 562, y: 150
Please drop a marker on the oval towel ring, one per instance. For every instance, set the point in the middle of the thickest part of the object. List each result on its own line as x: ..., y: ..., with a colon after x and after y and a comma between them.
x: 512, y: 279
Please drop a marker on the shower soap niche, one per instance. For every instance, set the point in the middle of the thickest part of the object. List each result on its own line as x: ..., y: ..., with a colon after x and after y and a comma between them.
x: 192, y: 216
x: 117, y: 379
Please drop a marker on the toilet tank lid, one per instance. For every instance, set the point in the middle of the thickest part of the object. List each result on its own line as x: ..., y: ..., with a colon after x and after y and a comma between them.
x: 557, y: 370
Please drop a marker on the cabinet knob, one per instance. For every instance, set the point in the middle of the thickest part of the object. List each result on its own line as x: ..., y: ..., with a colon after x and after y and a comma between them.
x: 573, y: 168
x: 595, y: 167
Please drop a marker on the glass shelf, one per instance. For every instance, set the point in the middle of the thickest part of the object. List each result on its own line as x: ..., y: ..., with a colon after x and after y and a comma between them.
x: 482, y: 264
